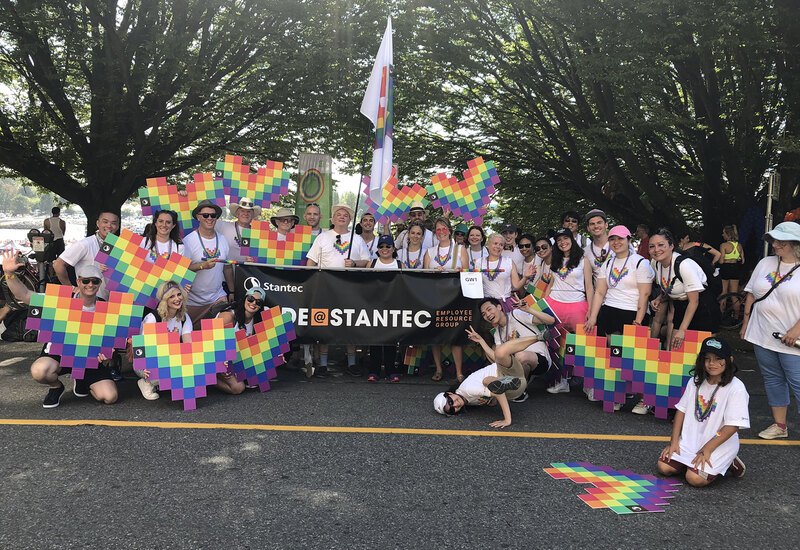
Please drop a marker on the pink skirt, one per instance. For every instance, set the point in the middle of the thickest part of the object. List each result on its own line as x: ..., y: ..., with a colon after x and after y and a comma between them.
x: 571, y: 314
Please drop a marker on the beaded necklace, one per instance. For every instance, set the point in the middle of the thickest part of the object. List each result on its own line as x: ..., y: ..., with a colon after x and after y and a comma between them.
x: 601, y: 259
x: 616, y: 275
x: 703, y: 408
x: 665, y: 284
x: 413, y: 264
x: 443, y: 259
x: 472, y: 263
x: 492, y: 274
x: 154, y: 251
x: 210, y: 253
x: 564, y: 271
x: 775, y: 277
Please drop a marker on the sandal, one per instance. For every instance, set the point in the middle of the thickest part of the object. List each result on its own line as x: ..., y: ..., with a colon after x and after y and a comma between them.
x: 372, y: 378
x: 437, y: 376
x: 394, y: 379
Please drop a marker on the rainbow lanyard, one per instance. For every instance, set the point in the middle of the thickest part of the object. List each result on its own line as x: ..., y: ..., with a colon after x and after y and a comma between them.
x: 211, y: 253
x: 615, y: 275
x: 492, y: 274
x: 703, y: 408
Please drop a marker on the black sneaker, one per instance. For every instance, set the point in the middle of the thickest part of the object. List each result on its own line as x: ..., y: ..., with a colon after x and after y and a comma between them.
x: 321, y: 371
x: 521, y: 398
x: 80, y: 388
x: 504, y: 384
x: 737, y: 469
x: 53, y: 397
x: 353, y: 370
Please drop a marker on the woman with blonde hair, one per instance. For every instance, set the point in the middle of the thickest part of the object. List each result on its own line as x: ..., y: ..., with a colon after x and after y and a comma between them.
x: 731, y: 264
x: 171, y: 309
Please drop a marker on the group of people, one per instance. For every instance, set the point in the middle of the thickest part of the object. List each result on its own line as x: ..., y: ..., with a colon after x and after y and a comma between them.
x: 600, y: 282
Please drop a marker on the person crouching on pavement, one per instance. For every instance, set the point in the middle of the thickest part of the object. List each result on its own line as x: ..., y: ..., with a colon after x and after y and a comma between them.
x: 46, y: 369
x: 243, y: 315
x: 494, y: 384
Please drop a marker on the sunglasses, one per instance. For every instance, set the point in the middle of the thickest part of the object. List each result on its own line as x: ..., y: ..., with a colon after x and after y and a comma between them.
x: 255, y: 301
x: 525, y: 245
x: 385, y: 246
x: 540, y: 248
x: 285, y: 220
x: 570, y: 220
x: 90, y: 281
x: 208, y: 215
x: 450, y: 407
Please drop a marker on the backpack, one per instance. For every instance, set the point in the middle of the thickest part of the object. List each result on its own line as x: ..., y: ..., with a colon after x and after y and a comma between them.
x: 713, y: 280
x: 15, y: 327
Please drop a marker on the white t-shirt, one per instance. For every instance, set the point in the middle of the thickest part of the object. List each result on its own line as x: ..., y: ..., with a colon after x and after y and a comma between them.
x: 694, y: 278
x: 387, y: 267
x: 82, y: 253
x: 472, y: 389
x: 475, y: 257
x: 623, y: 278
x: 411, y: 260
x: 779, y: 311
x: 173, y: 325
x: 520, y: 324
x: 443, y: 256
x: 325, y: 253
x: 543, y: 271
x: 372, y: 247
x: 569, y: 285
x: 207, y: 286
x: 730, y: 410
x: 596, y: 256
x: 500, y: 287
x: 428, y: 239
x: 229, y: 231
x: 161, y: 249
x: 516, y: 257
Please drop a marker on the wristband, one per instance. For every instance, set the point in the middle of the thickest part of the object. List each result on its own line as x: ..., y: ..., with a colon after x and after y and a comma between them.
x: 10, y: 276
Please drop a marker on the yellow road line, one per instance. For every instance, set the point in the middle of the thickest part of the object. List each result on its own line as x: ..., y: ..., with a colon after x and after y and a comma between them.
x: 353, y: 430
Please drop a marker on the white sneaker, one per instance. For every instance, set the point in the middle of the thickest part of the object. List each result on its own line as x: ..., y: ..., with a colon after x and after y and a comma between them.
x: 774, y: 432
x: 590, y: 394
x: 640, y: 408
x: 561, y: 387
x: 148, y: 389
x: 617, y: 406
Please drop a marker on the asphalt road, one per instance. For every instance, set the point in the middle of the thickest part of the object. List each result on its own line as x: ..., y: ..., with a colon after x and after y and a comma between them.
x: 261, y: 471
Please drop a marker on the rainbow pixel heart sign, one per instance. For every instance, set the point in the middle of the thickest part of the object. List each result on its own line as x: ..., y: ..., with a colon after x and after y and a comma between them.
x: 621, y: 491
x: 159, y: 195
x: 469, y: 198
x: 396, y: 200
x: 128, y: 268
x: 79, y: 336
x: 260, y: 353
x: 265, y: 187
x: 264, y: 244
x: 185, y: 368
x: 590, y: 358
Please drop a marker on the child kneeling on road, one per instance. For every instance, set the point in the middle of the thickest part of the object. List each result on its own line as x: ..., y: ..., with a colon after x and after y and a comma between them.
x: 705, y: 440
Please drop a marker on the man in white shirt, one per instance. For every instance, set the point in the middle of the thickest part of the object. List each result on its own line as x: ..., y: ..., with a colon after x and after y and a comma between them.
x: 207, y: 249
x: 312, y: 217
x: 82, y: 253
x: 245, y: 212
x: 333, y: 249
x: 368, y: 234
x: 509, y: 231
x: 597, y: 251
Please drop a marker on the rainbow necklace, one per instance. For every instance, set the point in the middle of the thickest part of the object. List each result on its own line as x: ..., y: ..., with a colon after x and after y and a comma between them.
x: 616, y: 275
x: 473, y: 264
x: 601, y: 259
x: 341, y: 247
x: 563, y: 272
x: 665, y: 284
x: 154, y: 251
x: 443, y: 259
x: 211, y: 253
x: 492, y: 274
x: 413, y: 264
x: 703, y: 408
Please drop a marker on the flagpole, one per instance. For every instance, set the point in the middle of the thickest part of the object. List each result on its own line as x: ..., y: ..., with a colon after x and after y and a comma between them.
x: 360, y: 183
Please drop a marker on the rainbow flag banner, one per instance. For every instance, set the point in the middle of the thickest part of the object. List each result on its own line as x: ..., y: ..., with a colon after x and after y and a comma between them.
x: 79, y: 336
x: 185, y: 368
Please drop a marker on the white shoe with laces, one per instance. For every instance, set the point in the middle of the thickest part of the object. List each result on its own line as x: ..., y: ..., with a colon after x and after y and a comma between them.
x: 640, y: 408
x: 560, y: 387
x: 590, y: 394
x: 148, y: 389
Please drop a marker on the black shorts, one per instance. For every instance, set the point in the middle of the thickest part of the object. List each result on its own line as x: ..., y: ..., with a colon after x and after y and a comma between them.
x: 705, y: 318
x: 611, y: 320
x: 731, y: 272
x: 90, y: 375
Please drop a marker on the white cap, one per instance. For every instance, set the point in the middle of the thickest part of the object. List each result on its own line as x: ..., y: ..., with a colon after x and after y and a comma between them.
x: 88, y: 271
x: 439, y: 403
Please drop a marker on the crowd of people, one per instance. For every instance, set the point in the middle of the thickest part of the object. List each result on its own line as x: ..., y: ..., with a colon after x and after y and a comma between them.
x: 600, y: 281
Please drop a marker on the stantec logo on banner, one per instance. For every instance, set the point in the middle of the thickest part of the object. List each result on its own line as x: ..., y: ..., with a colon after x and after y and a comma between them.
x: 379, y: 318
x: 252, y: 282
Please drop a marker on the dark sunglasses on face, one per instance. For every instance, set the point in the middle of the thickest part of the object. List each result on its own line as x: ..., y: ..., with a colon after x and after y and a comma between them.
x: 384, y: 246
x: 90, y: 281
x: 255, y: 301
x: 523, y: 245
x: 540, y: 248
x: 570, y: 220
x: 208, y: 215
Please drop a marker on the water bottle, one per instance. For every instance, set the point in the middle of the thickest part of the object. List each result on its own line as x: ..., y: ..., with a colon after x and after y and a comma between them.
x: 778, y: 336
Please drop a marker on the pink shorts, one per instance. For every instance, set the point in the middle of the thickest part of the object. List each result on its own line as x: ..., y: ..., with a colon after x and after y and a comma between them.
x: 571, y: 314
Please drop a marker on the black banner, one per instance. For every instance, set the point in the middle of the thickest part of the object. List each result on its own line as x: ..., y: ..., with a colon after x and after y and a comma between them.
x: 372, y: 307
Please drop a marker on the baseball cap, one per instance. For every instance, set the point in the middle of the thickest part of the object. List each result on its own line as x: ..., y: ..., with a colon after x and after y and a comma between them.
x: 717, y: 346
x: 89, y: 270
x: 439, y: 403
x: 619, y: 231
x: 563, y: 232
x: 593, y: 213
x: 508, y: 228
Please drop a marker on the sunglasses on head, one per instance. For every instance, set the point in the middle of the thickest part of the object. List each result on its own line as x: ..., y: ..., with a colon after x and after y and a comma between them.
x: 207, y: 215
x: 90, y: 281
x: 540, y: 248
x: 257, y: 301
